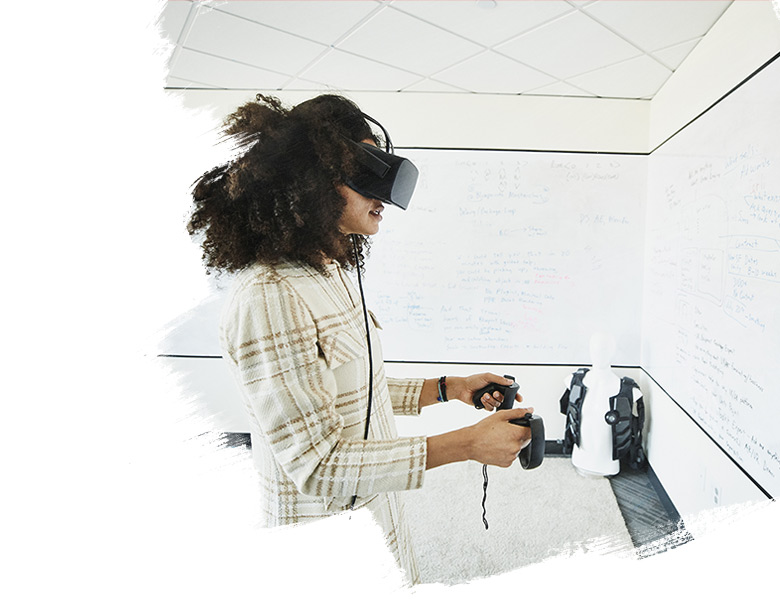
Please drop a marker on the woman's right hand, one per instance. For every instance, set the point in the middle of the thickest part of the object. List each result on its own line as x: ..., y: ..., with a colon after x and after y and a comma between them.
x: 496, y: 441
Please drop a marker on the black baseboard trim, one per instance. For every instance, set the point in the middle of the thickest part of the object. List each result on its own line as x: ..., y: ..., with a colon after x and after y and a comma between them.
x: 662, y: 495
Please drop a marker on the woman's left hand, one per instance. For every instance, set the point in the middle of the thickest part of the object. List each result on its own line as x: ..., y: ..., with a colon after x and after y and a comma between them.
x: 463, y: 388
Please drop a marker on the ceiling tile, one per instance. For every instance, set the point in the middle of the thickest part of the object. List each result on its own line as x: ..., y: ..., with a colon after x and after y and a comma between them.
x: 172, y: 19
x: 674, y: 56
x: 228, y: 36
x: 349, y: 72
x: 639, y: 77
x: 485, y: 26
x: 492, y: 73
x: 218, y: 72
x: 396, y: 38
x: 556, y: 47
x: 654, y: 24
x: 568, y: 46
x: 320, y: 21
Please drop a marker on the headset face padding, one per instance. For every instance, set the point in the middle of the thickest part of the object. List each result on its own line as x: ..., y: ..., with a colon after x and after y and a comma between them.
x: 387, y: 177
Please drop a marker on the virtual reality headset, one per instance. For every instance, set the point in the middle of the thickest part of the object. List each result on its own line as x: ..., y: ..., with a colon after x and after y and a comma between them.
x: 382, y: 174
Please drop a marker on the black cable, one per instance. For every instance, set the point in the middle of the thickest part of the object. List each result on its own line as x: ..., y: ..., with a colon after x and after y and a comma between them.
x: 368, y: 343
x: 484, y: 494
x: 359, y: 263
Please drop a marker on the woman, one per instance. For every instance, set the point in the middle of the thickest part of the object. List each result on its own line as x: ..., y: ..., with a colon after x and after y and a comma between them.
x: 283, y: 217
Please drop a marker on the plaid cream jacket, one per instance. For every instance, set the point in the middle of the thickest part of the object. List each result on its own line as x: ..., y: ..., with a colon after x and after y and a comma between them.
x: 295, y: 342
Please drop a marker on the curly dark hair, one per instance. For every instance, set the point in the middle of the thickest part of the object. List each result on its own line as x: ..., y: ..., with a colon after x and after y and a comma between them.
x: 278, y: 199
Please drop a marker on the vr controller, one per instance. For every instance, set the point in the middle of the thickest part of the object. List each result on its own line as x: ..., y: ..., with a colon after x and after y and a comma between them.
x: 533, y: 454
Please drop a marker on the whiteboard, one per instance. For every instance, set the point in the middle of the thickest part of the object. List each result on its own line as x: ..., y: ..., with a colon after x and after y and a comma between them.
x: 511, y: 257
x: 502, y: 257
x: 711, y: 321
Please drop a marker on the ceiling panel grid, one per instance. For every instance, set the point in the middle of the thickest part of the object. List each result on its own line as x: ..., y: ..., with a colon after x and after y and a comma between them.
x: 605, y: 48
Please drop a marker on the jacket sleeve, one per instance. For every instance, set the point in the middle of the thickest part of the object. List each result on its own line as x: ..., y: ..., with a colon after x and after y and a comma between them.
x: 272, y: 342
x: 405, y: 395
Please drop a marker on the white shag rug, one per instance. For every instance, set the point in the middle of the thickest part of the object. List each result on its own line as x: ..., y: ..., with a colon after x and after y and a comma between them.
x: 532, y: 515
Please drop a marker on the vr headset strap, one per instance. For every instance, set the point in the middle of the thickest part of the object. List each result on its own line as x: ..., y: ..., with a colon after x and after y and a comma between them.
x: 377, y: 166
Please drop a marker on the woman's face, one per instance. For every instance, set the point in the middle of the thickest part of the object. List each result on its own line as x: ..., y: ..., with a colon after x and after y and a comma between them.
x: 361, y: 215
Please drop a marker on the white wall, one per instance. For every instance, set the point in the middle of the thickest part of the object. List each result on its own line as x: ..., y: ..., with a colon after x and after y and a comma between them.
x: 696, y: 474
x: 480, y: 121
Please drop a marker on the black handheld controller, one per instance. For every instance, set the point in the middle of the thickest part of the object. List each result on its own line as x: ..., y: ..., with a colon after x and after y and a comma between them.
x: 532, y: 455
x: 509, y: 391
